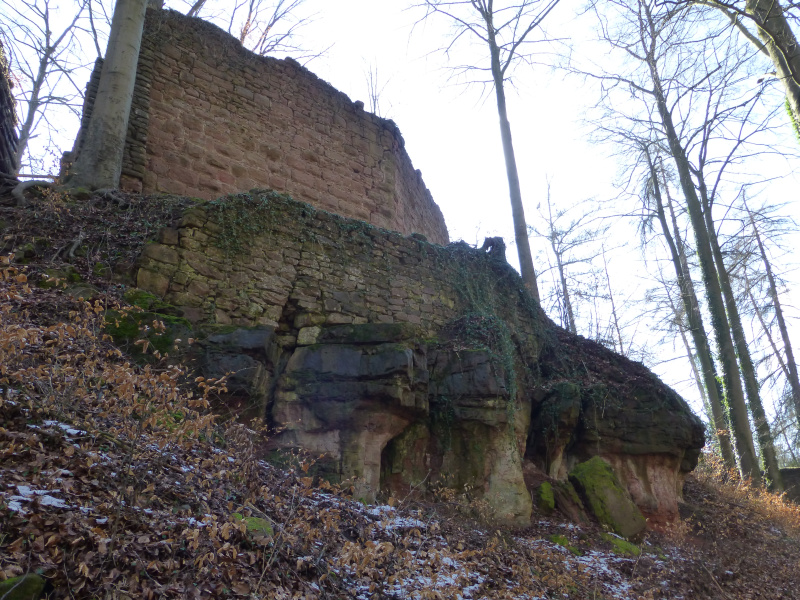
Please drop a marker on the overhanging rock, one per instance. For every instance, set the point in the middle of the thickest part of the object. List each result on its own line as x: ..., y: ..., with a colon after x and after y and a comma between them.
x: 410, y: 365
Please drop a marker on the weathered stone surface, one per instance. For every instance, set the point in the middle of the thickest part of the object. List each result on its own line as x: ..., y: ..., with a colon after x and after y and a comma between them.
x: 257, y: 338
x: 214, y: 133
x: 609, y: 502
x: 568, y: 502
x: 446, y: 373
x: 348, y: 401
x: 545, y: 500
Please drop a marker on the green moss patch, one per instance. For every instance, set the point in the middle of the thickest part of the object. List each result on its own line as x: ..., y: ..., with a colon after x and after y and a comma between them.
x: 25, y: 587
x: 563, y: 541
x: 605, y: 497
x: 139, y: 331
x: 545, y: 499
x: 621, y: 546
x: 256, y: 526
x: 149, y: 302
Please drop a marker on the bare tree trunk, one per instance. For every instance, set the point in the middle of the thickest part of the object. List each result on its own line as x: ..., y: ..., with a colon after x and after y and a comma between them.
x: 562, y: 276
x: 196, y: 7
x: 32, y: 109
x: 690, y: 356
x: 515, y: 193
x: 781, y: 44
x: 746, y: 366
x: 47, y: 51
x: 99, y: 164
x: 791, y: 365
x: 613, y: 306
x: 696, y: 327
x: 743, y: 437
x: 766, y: 329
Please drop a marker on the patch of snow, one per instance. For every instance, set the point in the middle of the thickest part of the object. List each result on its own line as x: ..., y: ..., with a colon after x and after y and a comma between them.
x: 68, y: 429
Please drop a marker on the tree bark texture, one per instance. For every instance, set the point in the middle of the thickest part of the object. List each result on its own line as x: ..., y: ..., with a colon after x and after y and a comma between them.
x: 697, y: 329
x: 746, y: 366
x: 743, y: 437
x: 99, y: 163
x: 781, y: 44
x: 791, y: 365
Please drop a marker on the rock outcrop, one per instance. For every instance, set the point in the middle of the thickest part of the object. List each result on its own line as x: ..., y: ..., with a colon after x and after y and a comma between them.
x: 409, y: 365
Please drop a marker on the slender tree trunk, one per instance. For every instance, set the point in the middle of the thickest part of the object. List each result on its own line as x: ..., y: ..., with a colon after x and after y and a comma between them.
x: 690, y: 356
x: 613, y: 306
x: 781, y: 44
x: 696, y: 328
x: 99, y: 164
x: 33, y: 107
x: 515, y: 193
x: 562, y: 276
x: 791, y: 365
x: 765, y: 328
x: 571, y: 327
x: 795, y: 462
x: 743, y: 437
x: 746, y: 366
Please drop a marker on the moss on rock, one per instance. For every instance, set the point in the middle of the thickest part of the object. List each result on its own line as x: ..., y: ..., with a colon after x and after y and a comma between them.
x: 563, y: 541
x: 25, y: 587
x: 256, y: 526
x: 605, y: 497
x: 545, y: 499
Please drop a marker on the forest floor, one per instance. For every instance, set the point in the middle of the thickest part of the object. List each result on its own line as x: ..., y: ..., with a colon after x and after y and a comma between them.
x: 117, y: 480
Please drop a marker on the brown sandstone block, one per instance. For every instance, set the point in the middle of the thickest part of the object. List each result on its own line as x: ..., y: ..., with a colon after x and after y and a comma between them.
x: 152, y: 281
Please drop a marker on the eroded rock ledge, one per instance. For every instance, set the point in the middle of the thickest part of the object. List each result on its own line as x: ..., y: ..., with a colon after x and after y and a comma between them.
x: 411, y: 365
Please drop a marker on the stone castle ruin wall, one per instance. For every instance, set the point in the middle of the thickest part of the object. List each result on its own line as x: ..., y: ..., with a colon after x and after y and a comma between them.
x: 211, y: 118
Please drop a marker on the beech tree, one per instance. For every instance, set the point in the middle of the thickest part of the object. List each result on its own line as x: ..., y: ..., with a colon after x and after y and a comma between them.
x: 654, y: 203
x: 505, y: 29
x: 763, y: 276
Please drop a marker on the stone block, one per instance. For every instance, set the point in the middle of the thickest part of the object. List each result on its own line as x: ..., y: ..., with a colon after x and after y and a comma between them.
x: 308, y: 335
x: 152, y: 281
x: 605, y: 497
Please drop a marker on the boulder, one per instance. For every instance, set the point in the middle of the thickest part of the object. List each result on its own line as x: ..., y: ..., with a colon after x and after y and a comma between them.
x: 609, y: 502
x: 568, y: 502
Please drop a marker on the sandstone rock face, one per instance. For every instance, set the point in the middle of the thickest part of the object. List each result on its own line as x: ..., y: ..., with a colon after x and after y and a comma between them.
x: 608, y: 501
x: 603, y: 404
x: 409, y: 366
x: 397, y: 416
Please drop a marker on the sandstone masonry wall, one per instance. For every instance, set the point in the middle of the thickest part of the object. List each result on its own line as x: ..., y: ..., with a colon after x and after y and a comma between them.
x: 308, y: 267
x: 211, y: 118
